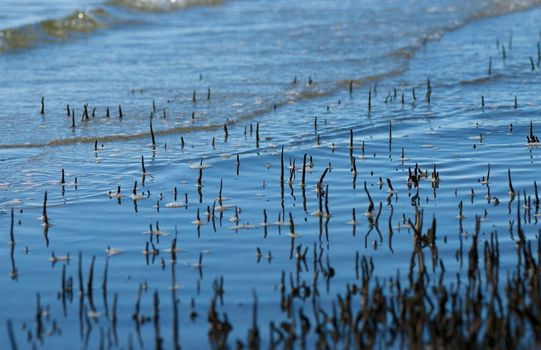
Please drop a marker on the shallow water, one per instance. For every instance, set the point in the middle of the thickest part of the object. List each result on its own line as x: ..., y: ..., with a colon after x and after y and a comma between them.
x: 257, y: 58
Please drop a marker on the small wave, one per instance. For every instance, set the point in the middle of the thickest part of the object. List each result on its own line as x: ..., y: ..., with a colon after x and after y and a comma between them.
x: 15, y: 39
x: 292, y: 95
x: 501, y: 7
x: 491, y: 8
x: 162, y: 5
x: 478, y: 81
x: 81, y: 22
x: 494, y: 8
x: 53, y: 29
x: 110, y: 138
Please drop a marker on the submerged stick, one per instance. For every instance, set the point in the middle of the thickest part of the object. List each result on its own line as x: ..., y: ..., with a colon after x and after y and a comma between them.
x: 80, y: 274
x: 200, y: 178
x: 152, y: 133
x: 511, y: 189
x: 532, y: 138
x: 90, y: 281
x: 538, y: 53
x: 536, y: 195
x: 44, y: 216
x: 134, y: 189
x: 371, y: 204
x: 104, y: 284
x: 303, y: 171
x: 390, y: 185
x: 157, y: 338
x: 428, y: 90
x: 282, y: 166
x: 390, y: 134
x: 85, y: 112
x: 11, y: 335
x: 328, y: 213
x: 143, y: 164
x: 257, y: 135
x: 320, y: 182
x: 11, y: 236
